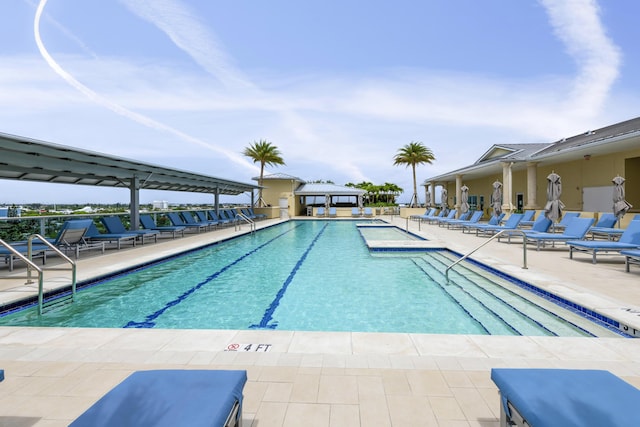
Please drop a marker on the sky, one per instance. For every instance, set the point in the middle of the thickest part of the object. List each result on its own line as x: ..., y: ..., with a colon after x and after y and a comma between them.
x: 338, y: 86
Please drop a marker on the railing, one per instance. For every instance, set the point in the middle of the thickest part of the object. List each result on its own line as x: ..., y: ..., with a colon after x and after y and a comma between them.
x: 31, y: 266
x: 498, y: 234
x: 243, y: 217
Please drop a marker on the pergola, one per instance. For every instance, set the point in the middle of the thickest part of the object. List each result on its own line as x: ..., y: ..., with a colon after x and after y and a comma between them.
x: 336, y: 194
x: 26, y: 159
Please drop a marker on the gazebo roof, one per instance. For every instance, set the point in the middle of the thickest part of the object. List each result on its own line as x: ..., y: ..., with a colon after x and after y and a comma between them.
x: 321, y: 189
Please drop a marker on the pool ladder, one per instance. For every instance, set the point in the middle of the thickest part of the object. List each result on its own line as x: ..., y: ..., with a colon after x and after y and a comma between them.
x: 495, y: 236
x: 31, y: 266
x: 243, y: 217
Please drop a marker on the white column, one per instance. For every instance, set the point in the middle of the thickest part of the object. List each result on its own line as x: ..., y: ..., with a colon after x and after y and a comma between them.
x: 507, y: 205
x: 458, y: 193
x: 532, y: 186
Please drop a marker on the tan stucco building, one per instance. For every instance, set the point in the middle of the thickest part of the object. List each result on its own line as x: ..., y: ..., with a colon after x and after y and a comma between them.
x: 287, y: 196
x: 586, y: 163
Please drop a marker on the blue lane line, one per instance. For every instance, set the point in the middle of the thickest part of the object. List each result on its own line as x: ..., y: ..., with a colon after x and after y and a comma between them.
x: 149, y: 321
x: 268, y: 314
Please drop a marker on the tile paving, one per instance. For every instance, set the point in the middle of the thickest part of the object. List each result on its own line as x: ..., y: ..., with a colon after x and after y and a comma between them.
x: 322, y: 378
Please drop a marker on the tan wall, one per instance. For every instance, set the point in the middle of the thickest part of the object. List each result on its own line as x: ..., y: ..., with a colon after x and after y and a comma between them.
x: 277, y: 188
x: 598, y: 171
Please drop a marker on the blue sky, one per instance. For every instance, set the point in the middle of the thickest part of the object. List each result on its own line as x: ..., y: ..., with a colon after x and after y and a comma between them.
x: 337, y: 86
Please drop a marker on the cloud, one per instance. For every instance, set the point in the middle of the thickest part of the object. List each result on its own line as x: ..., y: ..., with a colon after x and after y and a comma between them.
x: 328, y: 126
x: 192, y: 36
x: 119, y: 109
x: 577, y: 24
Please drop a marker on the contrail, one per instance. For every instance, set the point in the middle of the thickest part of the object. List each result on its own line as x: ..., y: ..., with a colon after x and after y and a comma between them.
x: 116, y: 108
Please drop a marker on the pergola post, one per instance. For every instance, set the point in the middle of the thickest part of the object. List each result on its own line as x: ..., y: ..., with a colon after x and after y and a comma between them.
x: 134, y: 202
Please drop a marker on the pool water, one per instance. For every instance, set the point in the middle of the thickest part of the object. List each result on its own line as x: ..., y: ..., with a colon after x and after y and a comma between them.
x: 316, y: 276
x: 386, y: 233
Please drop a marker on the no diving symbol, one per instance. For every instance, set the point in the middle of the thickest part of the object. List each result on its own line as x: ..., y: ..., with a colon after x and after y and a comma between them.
x: 261, y: 348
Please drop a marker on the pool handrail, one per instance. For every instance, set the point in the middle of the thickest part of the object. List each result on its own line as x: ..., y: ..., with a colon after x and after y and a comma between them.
x: 62, y: 255
x: 517, y: 231
x: 30, y: 266
x: 245, y: 218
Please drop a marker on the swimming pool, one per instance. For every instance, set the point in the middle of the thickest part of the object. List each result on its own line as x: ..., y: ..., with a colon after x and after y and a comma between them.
x: 318, y: 276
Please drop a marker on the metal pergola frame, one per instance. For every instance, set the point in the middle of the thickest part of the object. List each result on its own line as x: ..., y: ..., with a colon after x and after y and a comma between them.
x: 26, y: 159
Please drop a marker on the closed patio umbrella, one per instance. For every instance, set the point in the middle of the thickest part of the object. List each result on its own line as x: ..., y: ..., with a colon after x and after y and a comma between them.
x: 443, y: 199
x: 496, y: 198
x: 327, y: 202
x: 464, y: 199
x: 427, y: 198
x: 554, y: 206
x: 620, y: 205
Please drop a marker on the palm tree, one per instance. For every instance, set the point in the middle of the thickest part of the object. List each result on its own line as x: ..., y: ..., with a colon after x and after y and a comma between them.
x: 414, y: 153
x: 267, y: 154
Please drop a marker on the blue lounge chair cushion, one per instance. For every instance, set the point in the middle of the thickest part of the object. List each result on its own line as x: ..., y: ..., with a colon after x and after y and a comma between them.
x: 565, y: 397
x: 511, y: 224
x: 576, y: 230
x: 630, y: 239
x: 168, y: 398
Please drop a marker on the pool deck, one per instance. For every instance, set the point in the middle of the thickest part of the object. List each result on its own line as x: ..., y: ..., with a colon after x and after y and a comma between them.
x: 322, y: 378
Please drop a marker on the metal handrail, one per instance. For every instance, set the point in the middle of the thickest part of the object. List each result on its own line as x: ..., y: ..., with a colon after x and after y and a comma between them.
x: 524, y: 250
x: 252, y: 224
x: 40, y: 283
x: 30, y: 266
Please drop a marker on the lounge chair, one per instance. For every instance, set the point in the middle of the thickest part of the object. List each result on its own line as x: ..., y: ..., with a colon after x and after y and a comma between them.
x: 149, y: 224
x: 368, y: 212
x: 528, y: 219
x: 93, y: 235
x: 427, y: 213
x: 458, y: 223
x: 177, y: 221
x: 564, y: 222
x: 445, y: 221
x: 433, y: 216
x: 230, y: 214
x: 73, y: 236
x: 609, y: 233
x: 355, y: 212
x: 332, y: 213
x: 630, y: 239
x: 510, y: 224
x: 540, y: 225
x: 632, y: 256
x: 70, y: 237
x: 449, y: 215
x: 204, y: 219
x: 257, y: 215
x: 221, y: 220
x: 162, y: 398
x: 576, y: 230
x: 114, y: 225
x: 248, y: 214
x: 494, y: 220
x: 190, y: 220
x: 320, y: 211
x: 565, y: 397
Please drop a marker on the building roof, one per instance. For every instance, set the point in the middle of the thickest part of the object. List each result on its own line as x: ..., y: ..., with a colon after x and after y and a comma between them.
x: 28, y: 159
x: 614, y: 138
x: 331, y: 189
x: 280, y: 176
